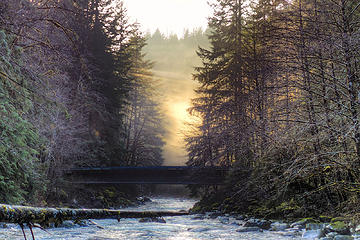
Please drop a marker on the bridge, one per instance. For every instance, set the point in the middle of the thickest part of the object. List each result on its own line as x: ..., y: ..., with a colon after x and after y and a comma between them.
x: 149, y: 175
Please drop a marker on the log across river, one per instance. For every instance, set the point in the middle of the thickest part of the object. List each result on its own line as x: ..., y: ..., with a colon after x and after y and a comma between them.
x: 45, y: 216
x: 179, y: 227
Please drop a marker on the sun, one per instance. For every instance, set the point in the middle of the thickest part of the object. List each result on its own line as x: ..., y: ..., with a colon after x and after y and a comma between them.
x: 180, y: 112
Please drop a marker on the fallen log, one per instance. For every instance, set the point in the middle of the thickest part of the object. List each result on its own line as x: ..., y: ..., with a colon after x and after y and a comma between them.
x: 45, y: 216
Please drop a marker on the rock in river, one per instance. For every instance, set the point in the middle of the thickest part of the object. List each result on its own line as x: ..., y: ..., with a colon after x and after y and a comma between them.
x: 279, y: 226
x: 260, y: 223
x: 312, y: 234
x: 153, y: 219
x: 249, y: 229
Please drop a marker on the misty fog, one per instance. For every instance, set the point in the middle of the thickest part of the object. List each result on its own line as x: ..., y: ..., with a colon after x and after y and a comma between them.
x: 174, y: 61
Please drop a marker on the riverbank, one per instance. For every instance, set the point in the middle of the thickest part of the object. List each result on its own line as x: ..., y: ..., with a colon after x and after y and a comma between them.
x: 306, y: 228
x: 280, y: 218
x: 100, y: 197
x: 263, y: 193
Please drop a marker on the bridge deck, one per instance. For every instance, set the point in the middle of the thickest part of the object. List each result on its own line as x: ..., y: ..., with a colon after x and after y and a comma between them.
x: 149, y: 175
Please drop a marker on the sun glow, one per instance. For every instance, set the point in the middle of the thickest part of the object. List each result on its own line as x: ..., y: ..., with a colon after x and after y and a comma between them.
x: 179, y: 111
x: 178, y: 90
x: 174, y: 150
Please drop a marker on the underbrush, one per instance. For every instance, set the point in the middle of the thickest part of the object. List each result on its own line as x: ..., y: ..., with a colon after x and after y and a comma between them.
x: 281, y: 187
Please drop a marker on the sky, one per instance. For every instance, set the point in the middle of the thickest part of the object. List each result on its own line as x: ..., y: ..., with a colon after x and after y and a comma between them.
x: 170, y: 16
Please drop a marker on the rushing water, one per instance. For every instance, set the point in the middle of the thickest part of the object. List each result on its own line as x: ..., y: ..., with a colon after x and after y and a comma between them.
x: 175, y: 228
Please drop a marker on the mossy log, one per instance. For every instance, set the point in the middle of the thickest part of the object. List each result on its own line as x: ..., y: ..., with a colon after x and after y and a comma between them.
x: 45, y: 216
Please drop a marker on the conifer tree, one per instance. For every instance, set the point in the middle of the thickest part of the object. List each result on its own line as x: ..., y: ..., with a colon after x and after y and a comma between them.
x: 20, y: 171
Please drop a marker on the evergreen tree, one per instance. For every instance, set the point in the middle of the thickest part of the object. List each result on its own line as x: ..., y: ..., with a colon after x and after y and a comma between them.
x: 20, y: 171
x: 144, y: 124
x: 280, y: 83
x: 225, y: 87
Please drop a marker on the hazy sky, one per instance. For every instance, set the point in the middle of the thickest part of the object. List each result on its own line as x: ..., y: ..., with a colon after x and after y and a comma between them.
x: 170, y: 16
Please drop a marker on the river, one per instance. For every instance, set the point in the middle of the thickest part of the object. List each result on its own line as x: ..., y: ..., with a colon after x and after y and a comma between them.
x: 176, y: 228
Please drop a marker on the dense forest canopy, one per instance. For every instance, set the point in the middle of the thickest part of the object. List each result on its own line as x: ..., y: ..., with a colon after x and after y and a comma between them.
x: 75, y: 90
x: 279, y: 101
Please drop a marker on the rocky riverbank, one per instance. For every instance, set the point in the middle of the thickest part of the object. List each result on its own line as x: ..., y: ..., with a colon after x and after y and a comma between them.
x: 307, y: 228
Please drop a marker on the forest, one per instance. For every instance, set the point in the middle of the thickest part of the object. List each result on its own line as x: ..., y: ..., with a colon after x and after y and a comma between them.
x: 279, y: 102
x: 76, y: 91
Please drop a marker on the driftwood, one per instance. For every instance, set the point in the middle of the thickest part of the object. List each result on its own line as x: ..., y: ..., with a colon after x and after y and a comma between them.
x: 44, y: 216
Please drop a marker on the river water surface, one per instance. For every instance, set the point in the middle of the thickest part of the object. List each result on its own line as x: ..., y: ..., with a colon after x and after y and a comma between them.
x: 175, y: 228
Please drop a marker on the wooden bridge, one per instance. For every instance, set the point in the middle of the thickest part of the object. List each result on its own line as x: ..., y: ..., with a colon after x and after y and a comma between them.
x: 149, y: 175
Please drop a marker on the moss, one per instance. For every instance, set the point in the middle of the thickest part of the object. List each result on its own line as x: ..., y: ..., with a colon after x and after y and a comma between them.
x: 196, y: 208
x: 199, y: 207
x: 323, y: 218
x: 337, y: 219
x: 215, y: 205
x: 338, y: 225
x: 308, y: 220
x: 109, y: 193
x: 111, y: 198
x: 288, y: 206
x: 261, y: 211
x: 267, y: 209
